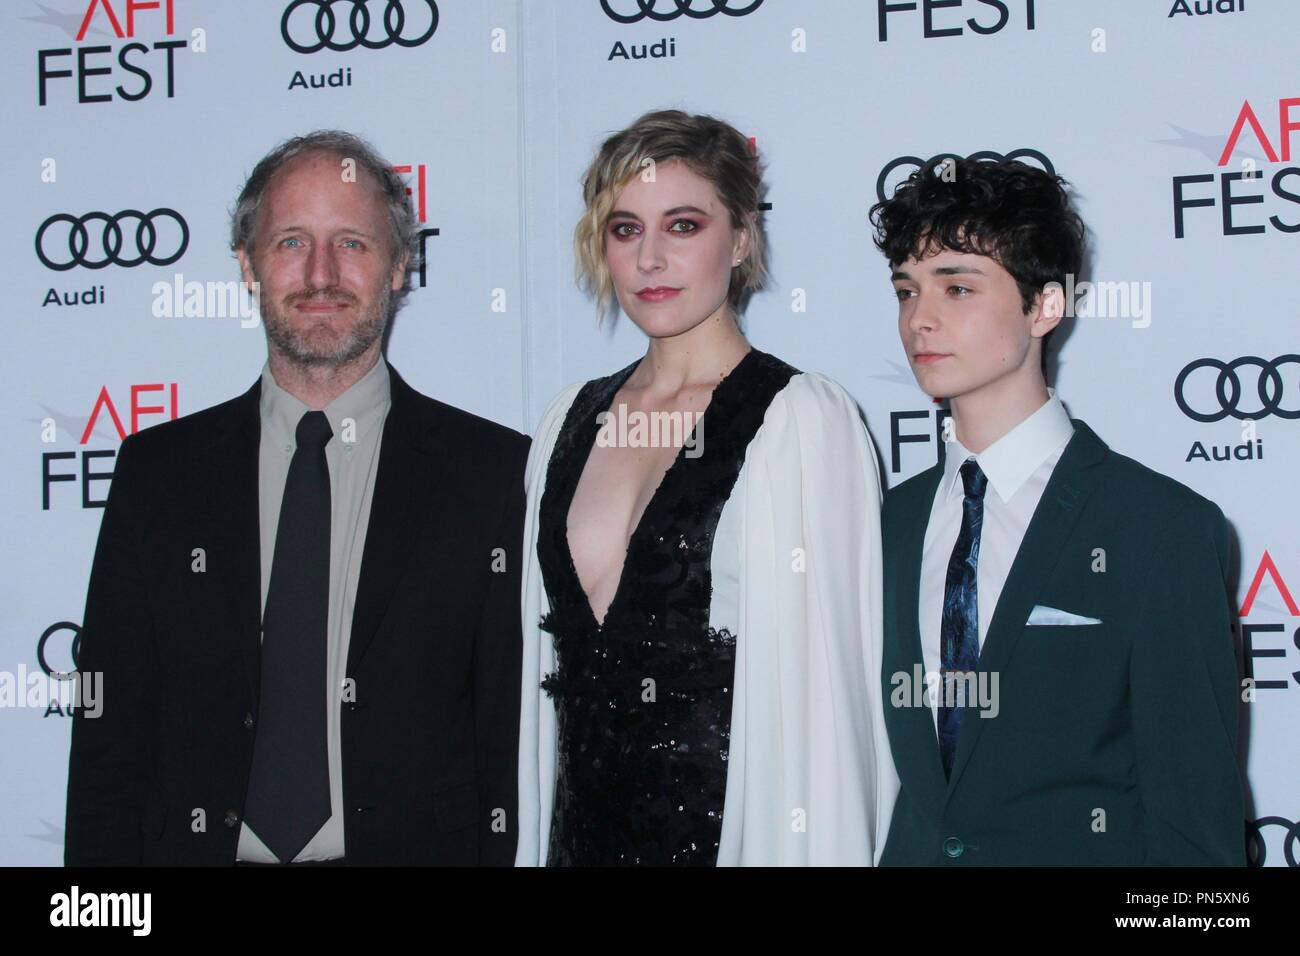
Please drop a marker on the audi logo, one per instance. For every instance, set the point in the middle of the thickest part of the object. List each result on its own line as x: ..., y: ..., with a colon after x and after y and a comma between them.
x: 1257, y: 852
x: 74, y: 249
x: 323, y: 33
x: 915, y: 162
x: 650, y: 9
x: 76, y: 648
x: 1228, y: 389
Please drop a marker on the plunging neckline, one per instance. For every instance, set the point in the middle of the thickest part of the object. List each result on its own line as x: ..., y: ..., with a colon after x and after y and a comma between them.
x: 654, y: 496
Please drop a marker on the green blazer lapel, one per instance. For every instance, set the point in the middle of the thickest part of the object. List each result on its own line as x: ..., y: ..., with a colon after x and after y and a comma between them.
x: 1072, y: 483
x: 916, y: 753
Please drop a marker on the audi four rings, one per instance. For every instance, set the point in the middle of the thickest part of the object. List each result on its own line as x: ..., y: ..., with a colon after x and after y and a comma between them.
x: 76, y: 248
x: 50, y: 631
x: 1228, y: 389
x: 335, y: 32
x: 672, y: 9
x: 917, y: 162
x: 1255, y: 840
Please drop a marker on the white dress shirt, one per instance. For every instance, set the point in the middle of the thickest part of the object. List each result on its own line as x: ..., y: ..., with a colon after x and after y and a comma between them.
x: 357, y: 418
x: 1018, y: 466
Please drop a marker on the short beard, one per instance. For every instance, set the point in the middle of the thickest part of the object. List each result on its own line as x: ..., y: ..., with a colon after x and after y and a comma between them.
x: 296, y: 348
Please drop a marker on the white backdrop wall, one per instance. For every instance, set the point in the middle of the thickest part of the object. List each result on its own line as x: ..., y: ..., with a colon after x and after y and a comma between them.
x: 496, y: 106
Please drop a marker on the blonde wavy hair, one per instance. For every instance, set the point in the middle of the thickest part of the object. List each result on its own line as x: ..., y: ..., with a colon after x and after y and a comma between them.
x: 709, y: 147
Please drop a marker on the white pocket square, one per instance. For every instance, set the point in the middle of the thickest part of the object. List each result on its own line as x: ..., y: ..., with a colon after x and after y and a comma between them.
x: 1042, y: 614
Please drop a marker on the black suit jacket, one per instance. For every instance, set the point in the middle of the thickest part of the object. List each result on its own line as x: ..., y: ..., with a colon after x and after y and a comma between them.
x: 1113, y: 744
x: 430, y: 743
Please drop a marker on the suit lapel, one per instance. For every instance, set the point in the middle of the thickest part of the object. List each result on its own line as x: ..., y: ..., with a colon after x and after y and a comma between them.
x: 1072, y: 483
x: 406, y: 497
x: 235, y: 507
x: 921, y: 752
x: 406, y: 488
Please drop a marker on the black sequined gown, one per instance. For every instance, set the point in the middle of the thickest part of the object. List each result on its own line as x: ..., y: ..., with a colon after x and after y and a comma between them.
x: 643, y: 702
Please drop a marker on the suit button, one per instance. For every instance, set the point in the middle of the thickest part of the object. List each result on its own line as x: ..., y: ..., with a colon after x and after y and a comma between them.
x: 248, y: 721
x: 231, y: 818
x: 953, y: 847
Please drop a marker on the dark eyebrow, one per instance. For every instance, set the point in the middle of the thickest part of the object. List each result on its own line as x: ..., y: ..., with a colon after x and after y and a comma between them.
x: 676, y: 210
x: 901, y: 276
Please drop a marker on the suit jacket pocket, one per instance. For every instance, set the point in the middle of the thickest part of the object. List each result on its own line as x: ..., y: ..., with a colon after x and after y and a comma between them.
x: 455, y: 808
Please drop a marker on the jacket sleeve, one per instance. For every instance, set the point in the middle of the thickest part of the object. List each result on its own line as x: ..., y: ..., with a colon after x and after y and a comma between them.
x: 1184, y: 692
x: 112, y: 753
x: 497, y: 653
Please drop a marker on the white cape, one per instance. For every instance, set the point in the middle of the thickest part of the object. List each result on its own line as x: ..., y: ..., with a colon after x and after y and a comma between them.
x: 810, y: 780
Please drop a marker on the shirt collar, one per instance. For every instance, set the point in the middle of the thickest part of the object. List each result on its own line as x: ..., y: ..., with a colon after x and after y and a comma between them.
x: 364, y: 402
x: 1009, y: 461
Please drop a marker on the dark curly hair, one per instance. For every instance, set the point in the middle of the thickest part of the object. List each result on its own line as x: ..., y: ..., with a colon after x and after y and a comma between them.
x: 1012, y: 212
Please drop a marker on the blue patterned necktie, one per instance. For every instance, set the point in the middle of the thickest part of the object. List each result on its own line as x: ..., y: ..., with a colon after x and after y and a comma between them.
x: 959, y: 635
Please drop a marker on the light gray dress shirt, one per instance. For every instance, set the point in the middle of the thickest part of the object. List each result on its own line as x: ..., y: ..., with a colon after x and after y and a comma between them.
x: 1018, y: 466
x: 357, y: 418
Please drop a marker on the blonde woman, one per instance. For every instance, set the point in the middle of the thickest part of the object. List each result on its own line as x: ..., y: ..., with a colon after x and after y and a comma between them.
x: 702, y: 614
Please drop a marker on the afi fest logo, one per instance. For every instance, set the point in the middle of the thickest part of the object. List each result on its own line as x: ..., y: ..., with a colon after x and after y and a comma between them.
x: 420, y: 197
x: 143, y: 402
x: 101, y: 72
x: 1264, y: 640
x: 1263, y: 635
x: 954, y: 18
x: 1246, y: 199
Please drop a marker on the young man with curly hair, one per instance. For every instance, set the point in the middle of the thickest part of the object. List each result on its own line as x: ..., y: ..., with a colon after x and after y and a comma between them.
x: 1071, y: 602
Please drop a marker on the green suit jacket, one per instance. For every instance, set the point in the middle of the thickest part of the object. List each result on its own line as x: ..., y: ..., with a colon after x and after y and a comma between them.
x: 1106, y: 744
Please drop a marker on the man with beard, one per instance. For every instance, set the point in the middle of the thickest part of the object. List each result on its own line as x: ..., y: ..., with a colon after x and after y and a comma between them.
x: 305, y: 601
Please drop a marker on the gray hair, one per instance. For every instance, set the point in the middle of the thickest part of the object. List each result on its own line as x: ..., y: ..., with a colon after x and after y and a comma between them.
x: 401, y: 215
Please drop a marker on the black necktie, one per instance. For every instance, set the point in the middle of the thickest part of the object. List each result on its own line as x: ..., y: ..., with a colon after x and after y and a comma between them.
x: 289, y: 786
x: 959, y: 647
